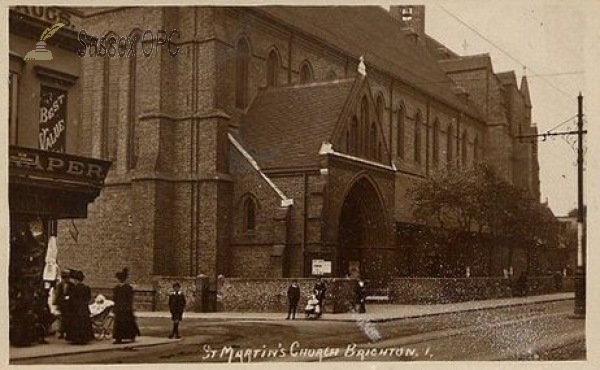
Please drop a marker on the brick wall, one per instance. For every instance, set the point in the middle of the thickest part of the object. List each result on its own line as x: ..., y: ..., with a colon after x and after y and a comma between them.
x: 270, y: 295
x: 431, y: 290
x: 195, y: 290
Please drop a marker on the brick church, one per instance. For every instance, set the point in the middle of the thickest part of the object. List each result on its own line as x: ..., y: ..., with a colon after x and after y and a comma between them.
x: 279, y: 140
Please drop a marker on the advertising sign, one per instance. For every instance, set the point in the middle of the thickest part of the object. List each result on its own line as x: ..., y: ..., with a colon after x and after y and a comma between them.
x: 53, y: 115
x: 321, y: 267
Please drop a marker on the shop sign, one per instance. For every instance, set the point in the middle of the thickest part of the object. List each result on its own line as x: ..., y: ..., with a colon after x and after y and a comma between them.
x: 56, y: 165
x: 53, y: 125
x: 50, y: 14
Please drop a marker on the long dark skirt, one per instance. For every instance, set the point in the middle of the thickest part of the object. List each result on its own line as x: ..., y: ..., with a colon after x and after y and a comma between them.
x: 125, y: 327
x: 79, y: 330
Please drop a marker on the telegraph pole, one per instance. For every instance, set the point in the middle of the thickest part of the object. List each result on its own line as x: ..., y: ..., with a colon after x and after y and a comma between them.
x: 581, y: 253
x: 580, y: 275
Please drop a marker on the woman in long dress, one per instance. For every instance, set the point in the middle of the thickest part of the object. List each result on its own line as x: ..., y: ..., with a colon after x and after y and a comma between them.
x: 80, y: 329
x: 125, y: 326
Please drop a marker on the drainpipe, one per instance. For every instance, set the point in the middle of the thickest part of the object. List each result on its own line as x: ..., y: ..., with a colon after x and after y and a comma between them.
x: 304, y: 221
x: 391, y: 121
x: 290, y: 58
x: 427, y: 133
x: 458, y: 152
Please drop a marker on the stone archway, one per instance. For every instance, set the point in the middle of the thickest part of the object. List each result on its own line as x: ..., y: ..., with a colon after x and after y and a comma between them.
x: 363, y: 236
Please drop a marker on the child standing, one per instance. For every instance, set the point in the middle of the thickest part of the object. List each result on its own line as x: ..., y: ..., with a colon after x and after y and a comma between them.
x: 176, y: 306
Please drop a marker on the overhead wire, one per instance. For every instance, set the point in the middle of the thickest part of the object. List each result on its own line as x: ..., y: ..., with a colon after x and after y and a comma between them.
x: 473, y: 29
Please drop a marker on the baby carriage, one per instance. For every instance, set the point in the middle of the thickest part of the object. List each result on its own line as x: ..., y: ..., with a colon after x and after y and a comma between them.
x: 102, y: 317
x: 312, y: 309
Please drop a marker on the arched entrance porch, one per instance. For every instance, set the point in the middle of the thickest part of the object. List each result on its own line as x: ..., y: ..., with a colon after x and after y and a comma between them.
x: 364, y: 247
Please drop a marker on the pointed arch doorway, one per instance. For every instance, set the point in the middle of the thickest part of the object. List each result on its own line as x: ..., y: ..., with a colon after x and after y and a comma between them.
x: 363, y: 235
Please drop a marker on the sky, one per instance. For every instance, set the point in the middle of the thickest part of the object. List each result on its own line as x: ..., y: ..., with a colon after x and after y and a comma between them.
x: 551, y: 39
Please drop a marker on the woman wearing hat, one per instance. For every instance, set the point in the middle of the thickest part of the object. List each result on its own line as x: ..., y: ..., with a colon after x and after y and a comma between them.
x: 125, y: 327
x: 79, y: 331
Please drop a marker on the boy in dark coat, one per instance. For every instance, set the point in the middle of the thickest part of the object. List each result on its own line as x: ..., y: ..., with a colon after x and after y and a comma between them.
x: 176, y: 306
x: 361, y: 296
x: 293, y: 294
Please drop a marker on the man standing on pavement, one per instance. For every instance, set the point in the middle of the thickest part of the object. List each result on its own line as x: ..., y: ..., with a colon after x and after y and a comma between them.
x: 64, y: 303
x: 293, y: 294
x: 361, y: 296
x: 177, y: 304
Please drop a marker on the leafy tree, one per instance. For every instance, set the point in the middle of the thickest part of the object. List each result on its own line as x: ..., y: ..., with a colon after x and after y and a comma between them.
x: 479, y: 200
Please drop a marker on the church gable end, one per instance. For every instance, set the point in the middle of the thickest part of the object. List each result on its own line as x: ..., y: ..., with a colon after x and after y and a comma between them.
x: 359, y: 132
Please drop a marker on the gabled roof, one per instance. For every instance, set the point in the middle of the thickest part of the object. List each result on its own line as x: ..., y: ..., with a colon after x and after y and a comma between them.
x: 372, y: 32
x: 285, y: 126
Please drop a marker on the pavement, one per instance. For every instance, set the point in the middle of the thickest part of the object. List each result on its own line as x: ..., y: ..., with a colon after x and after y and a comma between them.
x: 380, y: 312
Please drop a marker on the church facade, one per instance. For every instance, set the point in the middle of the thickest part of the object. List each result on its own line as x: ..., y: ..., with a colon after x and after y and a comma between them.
x: 280, y: 141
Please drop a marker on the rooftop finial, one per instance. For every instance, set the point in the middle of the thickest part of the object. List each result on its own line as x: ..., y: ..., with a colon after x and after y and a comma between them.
x: 362, y: 69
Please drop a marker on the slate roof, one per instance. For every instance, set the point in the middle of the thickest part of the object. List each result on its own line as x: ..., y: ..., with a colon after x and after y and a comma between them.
x: 372, y: 32
x: 466, y: 63
x: 285, y: 126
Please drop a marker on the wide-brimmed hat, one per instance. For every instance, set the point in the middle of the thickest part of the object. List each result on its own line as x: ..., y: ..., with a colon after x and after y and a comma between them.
x: 78, y: 275
x: 123, y: 274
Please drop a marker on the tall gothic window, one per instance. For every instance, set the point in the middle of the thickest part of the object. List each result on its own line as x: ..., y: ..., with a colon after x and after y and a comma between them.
x: 417, y: 138
x: 249, y: 214
x: 272, y: 68
x: 364, y: 124
x: 449, y: 146
x: 436, y: 142
x: 373, y: 141
x: 354, y: 136
x: 476, y: 149
x: 306, y: 75
x: 380, y: 107
x: 400, y: 133
x: 242, y: 62
x: 464, y: 147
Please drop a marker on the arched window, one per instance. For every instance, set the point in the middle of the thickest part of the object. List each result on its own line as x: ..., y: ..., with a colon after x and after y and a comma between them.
x: 464, y: 147
x: 436, y: 142
x: 400, y: 133
x: 331, y: 76
x: 380, y: 107
x: 449, y: 146
x: 249, y: 214
x: 306, y: 75
x: 272, y: 69
x: 354, y: 136
x: 242, y: 62
x: 364, y: 124
x: 417, y: 138
x: 373, y: 141
x: 476, y: 149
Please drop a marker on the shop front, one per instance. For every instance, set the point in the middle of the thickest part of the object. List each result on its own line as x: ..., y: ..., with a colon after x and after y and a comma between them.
x: 44, y: 187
